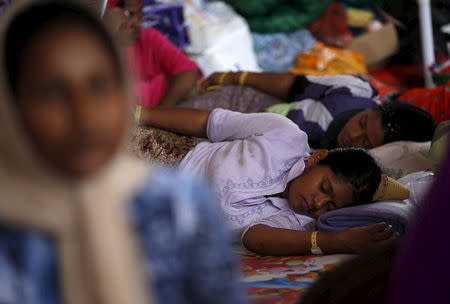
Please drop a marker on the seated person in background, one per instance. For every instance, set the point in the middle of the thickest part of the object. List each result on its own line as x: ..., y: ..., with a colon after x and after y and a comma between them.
x: 269, y: 188
x: 335, y: 111
x: 164, y: 74
x: 65, y: 110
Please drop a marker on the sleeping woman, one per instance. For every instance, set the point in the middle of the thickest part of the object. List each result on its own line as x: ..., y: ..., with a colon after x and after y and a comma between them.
x: 270, y: 189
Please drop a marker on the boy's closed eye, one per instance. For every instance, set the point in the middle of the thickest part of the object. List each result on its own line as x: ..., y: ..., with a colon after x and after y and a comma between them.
x: 363, y: 125
x: 325, y: 187
x: 363, y: 122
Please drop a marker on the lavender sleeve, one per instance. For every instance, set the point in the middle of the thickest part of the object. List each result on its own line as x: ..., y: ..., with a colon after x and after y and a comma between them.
x: 225, y: 125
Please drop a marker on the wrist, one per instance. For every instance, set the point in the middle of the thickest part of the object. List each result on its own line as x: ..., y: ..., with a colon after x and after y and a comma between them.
x: 330, y: 242
x: 233, y: 78
x: 242, y: 78
x: 315, y: 249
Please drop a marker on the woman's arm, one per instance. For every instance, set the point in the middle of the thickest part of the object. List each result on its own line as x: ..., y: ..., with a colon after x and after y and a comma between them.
x: 225, y: 125
x: 180, y: 71
x: 268, y: 240
x: 191, y: 122
x: 275, y: 84
x: 180, y: 85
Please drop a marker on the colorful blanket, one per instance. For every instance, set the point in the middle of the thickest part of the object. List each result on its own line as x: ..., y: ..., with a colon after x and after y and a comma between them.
x: 282, y: 280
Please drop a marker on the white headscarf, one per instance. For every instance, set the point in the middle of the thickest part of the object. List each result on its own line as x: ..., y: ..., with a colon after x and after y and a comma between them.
x: 87, y: 218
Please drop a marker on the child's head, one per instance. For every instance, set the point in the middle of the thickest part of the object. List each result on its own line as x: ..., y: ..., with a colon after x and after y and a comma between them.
x: 334, y: 179
x: 67, y: 84
x: 386, y: 123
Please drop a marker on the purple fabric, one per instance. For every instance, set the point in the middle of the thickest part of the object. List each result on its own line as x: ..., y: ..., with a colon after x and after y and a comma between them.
x: 340, y: 100
x: 169, y: 20
x: 421, y: 271
x: 234, y: 98
x: 311, y: 128
x: 313, y: 90
x: 395, y: 213
x: 248, y: 157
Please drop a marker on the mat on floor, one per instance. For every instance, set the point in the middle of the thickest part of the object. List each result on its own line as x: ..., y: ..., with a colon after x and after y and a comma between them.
x: 282, y: 280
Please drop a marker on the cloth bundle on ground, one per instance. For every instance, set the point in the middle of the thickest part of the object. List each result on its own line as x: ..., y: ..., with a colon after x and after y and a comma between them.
x: 277, y: 52
x: 393, y: 212
x: 436, y: 100
x: 323, y: 60
x: 213, y: 29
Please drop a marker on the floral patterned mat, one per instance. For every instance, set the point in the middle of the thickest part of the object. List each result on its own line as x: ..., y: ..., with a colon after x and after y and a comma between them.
x: 282, y: 280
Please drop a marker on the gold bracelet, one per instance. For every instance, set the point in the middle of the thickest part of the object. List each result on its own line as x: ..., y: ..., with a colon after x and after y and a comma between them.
x: 242, y: 78
x: 315, y: 249
x: 138, y: 115
x: 222, y: 78
x: 214, y: 87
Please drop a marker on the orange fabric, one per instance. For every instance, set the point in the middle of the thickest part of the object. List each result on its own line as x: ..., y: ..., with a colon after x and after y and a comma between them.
x: 383, y: 88
x: 436, y: 100
x: 324, y: 60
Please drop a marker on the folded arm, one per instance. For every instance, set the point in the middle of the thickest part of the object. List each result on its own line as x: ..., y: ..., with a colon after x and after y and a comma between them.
x: 191, y: 122
x: 275, y: 84
x: 268, y: 240
x: 219, y: 125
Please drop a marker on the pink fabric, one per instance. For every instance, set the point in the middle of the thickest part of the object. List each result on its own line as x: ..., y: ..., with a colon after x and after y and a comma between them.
x: 111, y: 4
x: 154, y: 59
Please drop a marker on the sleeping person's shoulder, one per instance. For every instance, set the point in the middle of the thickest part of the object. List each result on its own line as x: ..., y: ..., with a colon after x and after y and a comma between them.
x: 252, y: 121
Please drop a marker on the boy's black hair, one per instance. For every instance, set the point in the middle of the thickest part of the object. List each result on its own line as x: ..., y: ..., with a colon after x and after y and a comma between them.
x: 41, y: 16
x: 356, y: 167
x: 405, y: 121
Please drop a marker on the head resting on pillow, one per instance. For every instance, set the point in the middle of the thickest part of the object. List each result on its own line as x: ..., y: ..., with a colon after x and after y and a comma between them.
x: 405, y: 121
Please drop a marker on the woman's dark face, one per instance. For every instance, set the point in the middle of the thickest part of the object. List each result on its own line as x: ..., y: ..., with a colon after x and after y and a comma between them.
x: 71, y: 99
x: 364, y: 130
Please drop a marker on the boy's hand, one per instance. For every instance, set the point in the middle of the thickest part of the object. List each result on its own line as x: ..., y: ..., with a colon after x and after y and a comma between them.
x: 357, y: 238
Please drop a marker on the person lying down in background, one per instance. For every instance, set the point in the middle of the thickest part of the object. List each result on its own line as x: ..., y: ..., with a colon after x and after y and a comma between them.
x: 65, y: 113
x: 270, y: 189
x: 335, y: 111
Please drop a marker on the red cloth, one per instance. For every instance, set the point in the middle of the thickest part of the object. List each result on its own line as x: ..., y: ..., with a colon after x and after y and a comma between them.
x: 111, y: 4
x: 382, y: 88
x: 153, y: 59
x: 331, y: 28
x: 436, y: 101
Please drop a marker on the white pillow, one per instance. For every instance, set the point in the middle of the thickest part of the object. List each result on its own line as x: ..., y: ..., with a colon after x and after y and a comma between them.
x: 400, y: 158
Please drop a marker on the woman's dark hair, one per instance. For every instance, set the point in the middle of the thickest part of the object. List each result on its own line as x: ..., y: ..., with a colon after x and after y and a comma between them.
x: 41, y: 16
x: 356, y: 167
x: 405, y: 121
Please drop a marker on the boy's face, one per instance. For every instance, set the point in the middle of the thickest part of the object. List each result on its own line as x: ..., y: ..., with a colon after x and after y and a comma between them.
x: 364, y: 130
x: 317, y: 191
x: 71, y: 100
